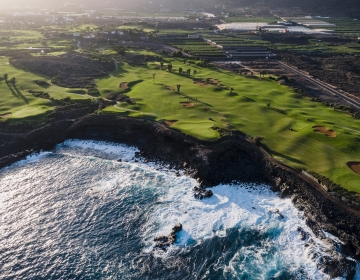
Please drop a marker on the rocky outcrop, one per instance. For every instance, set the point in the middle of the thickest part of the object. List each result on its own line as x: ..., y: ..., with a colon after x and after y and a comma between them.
x: 163, y: 242
x: 200, y: 193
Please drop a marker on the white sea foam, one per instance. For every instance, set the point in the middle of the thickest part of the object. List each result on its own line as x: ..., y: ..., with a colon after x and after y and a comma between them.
x: 242, y: 208
x: 32, y: 158
x: 232, y: 207
x: 332, y: 237
x: 98, y: 148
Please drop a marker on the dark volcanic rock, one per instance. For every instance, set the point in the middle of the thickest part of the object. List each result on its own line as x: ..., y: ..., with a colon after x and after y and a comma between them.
x: 164, y: 241
x: 72, y: 69
x: 200, y: 193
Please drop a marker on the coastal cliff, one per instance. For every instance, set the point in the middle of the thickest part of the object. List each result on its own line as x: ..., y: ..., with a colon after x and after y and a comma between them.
x: 229, y: 159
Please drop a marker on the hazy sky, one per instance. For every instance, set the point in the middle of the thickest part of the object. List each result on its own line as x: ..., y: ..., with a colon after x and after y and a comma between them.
x: 24, y: 3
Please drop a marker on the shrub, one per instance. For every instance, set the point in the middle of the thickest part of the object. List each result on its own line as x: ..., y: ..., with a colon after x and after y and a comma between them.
x: 258, y: 140
x: 93, y: 91
x: 41, y: 83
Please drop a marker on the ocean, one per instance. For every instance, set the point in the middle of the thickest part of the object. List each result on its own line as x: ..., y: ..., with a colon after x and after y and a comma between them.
x: 77, y: 212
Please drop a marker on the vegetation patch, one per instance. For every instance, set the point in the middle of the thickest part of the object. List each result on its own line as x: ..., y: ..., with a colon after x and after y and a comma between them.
x: 40, y: 94
x: 42, y: 83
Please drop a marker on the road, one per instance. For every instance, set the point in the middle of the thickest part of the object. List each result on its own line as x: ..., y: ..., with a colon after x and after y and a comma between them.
x: 344, y: 96
x: 116, y: 63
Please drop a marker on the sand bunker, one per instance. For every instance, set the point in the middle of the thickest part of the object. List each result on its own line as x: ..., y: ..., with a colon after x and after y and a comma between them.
x: 169, y: 88
x: 187, y: 104
x: 216, y: 82
x: 202, y: 84
x: 171, y: 123
x: 6, y: 115
x: 324, y: 130
x: 124, y: 85
x: 354, y: 166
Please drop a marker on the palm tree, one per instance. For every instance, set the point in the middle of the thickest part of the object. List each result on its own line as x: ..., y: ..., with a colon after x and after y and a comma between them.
x: 178, y: 87
x: 180, y: 70
x: 169, y: 67
x: 6, y: 77
x: 13, y: 81
x: 153, y: 75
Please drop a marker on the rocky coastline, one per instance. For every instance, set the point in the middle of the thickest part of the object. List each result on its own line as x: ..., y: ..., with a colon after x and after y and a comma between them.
x: 233, y: 158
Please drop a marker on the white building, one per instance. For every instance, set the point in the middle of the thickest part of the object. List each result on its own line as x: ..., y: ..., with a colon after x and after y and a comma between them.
x: 68, y: 19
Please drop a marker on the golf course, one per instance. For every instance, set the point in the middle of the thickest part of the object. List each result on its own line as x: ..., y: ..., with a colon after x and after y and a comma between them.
x: 298, y: 132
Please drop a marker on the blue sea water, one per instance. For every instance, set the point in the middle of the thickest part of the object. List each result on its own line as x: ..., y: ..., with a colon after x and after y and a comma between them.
x: 77, y: 213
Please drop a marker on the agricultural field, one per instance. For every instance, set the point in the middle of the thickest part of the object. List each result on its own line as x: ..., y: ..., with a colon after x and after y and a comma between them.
x: 312, y: 45
x: 196, y: 47
x: 345, y: 26
x: 26, y: 39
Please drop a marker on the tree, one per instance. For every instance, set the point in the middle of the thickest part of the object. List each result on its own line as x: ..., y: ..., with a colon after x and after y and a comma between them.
x: 169, y: 67
x: 6, y: 77
x: 153, y: 76
x: 180, y: 70
x: 178, y: 87
x: 231, y: 90
x: 119, y: 50
x: 195, y: 72
x: 161, y: 65
x: 188, y: 72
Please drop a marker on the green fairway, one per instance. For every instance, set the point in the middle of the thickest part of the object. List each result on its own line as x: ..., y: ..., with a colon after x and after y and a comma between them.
x: 205, y: 104
x: 244, y: 109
